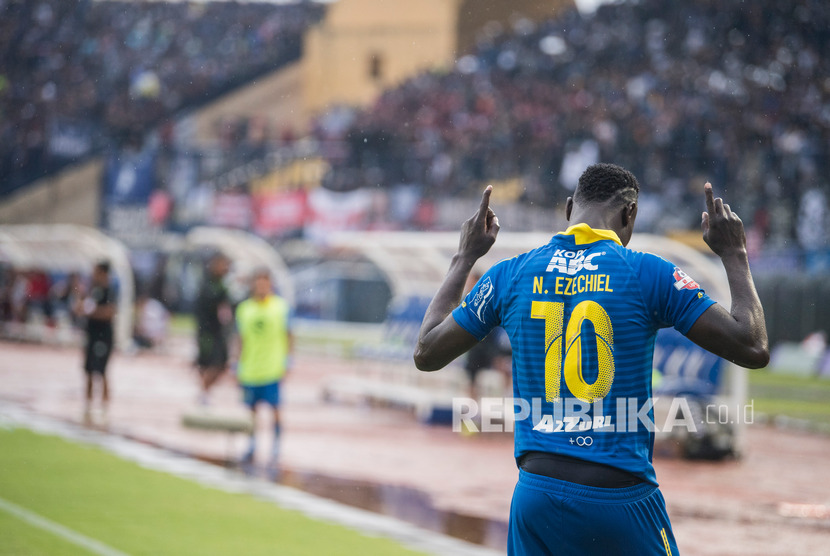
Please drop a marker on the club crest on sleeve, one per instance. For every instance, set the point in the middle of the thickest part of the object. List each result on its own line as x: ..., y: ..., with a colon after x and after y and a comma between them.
x: 482, y: 298
x: 683, y: 281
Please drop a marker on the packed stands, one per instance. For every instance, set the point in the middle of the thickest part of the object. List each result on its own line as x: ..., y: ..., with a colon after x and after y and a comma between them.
x: 724, y: 90
x: 77, y: 74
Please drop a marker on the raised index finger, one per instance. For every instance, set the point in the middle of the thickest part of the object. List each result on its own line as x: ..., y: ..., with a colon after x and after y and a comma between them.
x: 485, y: 203
x: 710, y: 198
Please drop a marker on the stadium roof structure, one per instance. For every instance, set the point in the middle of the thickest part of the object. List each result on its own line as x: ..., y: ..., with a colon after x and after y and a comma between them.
x: 72, y: 248
x: 415, y: 263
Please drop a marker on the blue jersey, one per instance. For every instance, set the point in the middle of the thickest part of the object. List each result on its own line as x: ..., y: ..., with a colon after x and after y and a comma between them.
x: 582, y: 313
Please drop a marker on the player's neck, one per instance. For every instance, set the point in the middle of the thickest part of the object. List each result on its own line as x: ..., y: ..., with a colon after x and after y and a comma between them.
x: 595, y: 221
x: 604, y: 215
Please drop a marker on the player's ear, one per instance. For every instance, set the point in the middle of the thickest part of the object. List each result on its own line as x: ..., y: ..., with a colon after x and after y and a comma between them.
x: 569, y: 206
x: 629, y: 214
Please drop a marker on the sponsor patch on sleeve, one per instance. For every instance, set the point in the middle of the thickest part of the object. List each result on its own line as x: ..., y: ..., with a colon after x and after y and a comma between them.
x: 683, y: 281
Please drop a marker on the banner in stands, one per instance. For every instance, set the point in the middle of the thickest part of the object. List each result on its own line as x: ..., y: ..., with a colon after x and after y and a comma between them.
x: 129, y: 177
x: 232, y: 210
x: 334, y: 211
x: 70, y: 139
x: 685, y: 367
x: 298, y: 173
x: 181, y: 175
x: 129, y: 184
x: 279, y: 214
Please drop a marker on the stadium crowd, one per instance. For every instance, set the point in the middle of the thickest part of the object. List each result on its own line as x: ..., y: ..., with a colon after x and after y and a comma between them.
x: 76, y: 74
x: 730, y: 91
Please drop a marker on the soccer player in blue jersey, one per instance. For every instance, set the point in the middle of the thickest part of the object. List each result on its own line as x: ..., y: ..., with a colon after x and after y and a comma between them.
x: 582, y: 313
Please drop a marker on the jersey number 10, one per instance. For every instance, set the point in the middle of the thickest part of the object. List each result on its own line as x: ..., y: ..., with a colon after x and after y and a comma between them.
x: 553, y: 313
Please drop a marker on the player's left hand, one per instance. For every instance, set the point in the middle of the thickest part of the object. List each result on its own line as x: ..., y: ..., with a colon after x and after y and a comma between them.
x: 722, y: 229
x: 478, y: 234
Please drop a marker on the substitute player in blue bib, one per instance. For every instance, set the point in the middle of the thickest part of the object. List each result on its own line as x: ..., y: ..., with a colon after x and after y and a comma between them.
x: 582, y: 313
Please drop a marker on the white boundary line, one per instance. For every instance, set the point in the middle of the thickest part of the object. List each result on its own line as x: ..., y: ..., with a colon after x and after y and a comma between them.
x: 96, y: 547
x: 364, y: 521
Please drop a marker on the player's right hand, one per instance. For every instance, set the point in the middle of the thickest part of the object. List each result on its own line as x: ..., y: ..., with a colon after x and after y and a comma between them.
x: 723, y: 230
x: 479, y: 233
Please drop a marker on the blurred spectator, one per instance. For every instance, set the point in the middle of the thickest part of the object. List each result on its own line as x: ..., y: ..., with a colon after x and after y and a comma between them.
x: 65, y: 295
x: 37, y: 295
x: 151, y: 322
x: 17, y: 295
x: 6, y: 281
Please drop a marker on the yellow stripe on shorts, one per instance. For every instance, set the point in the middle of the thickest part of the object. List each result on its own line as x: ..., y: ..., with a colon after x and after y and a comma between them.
x: 665, y: 541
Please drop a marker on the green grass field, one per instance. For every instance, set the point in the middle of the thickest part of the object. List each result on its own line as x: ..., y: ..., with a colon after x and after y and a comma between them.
x: 139, y: 511
x: 798, y: 397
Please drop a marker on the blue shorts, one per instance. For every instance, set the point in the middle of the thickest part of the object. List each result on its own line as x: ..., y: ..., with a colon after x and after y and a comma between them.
x: 268, y: 393
x: 553, y: 517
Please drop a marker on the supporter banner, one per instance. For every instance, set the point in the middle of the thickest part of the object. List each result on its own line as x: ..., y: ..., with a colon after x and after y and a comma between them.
x: 404, y: 201
x: 685, y: 367
x: 133, y: 225
x: 190, y: 203
x: 450, y: 212
x: 278, y: 214
x: 507, y: 190
x: 300, y: 173
x: 232, y: 210
x: 129, y: 177
x: 129, y: 185
x: 182, y: 174
x: 817, y: 261
x: 70, y: 140
x: 331, y: 211
x: 196, y: 208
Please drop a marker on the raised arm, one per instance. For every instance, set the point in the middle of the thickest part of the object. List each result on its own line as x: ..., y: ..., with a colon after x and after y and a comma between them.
x: 739, y: 335
x: 441, y: 339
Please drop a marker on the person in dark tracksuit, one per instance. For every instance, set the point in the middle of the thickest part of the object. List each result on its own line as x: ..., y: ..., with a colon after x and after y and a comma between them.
x: 98, y: 308
x: 214, y: 319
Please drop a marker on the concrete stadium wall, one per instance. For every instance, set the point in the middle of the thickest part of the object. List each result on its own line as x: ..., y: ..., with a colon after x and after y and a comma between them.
x: 71, y: 197
x: 276, y: 97
x: 399, y: 39
x: 403, y: 37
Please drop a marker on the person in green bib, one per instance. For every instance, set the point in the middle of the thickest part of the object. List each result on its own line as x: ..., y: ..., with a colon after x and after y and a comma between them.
x: 266, y: 345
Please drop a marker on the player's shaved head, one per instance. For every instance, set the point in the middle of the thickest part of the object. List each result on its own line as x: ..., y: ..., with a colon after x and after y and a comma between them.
x: 601, y: 183
x: 605, y: 199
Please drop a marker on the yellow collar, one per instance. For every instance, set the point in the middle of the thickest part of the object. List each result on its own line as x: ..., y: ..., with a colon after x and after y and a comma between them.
x: 583, y: 233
